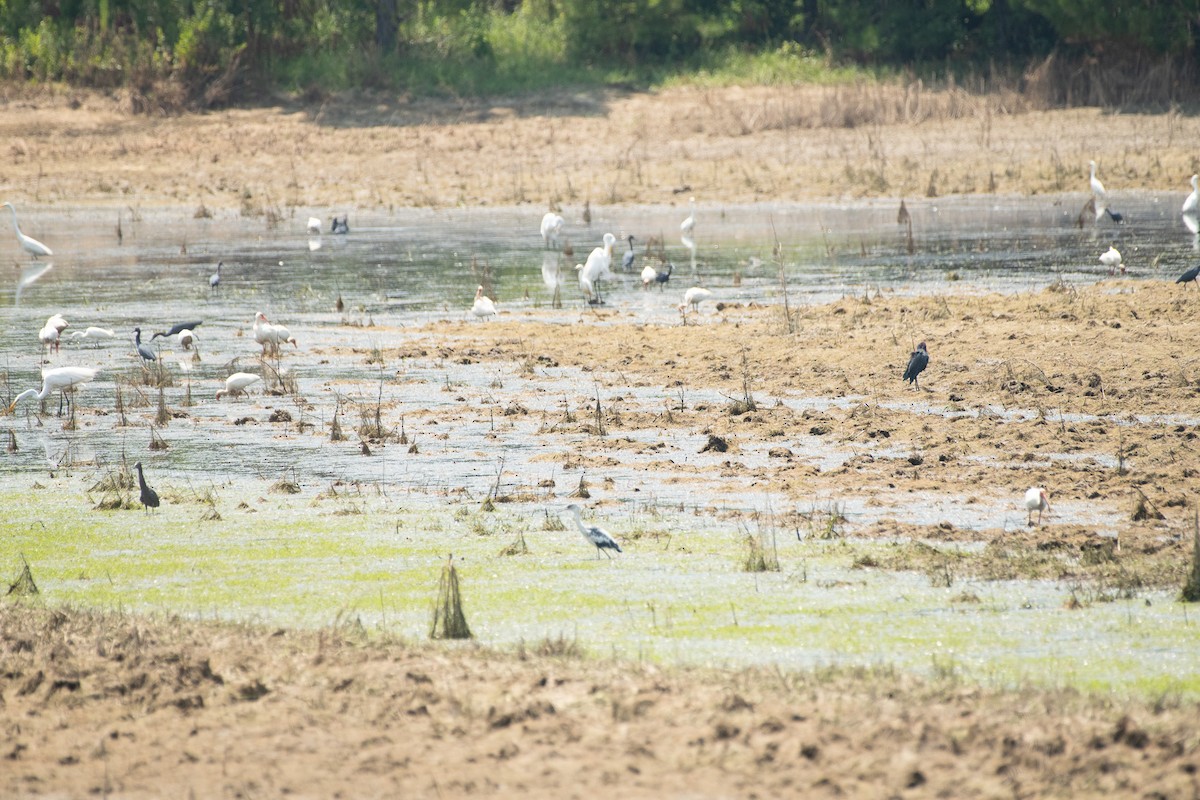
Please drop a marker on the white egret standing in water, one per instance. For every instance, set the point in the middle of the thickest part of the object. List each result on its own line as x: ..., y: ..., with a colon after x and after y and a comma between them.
x: 59, y: 379
x: 28, y: 243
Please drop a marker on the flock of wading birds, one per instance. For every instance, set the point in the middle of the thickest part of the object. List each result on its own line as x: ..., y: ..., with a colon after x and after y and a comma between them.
x: 596, y: 268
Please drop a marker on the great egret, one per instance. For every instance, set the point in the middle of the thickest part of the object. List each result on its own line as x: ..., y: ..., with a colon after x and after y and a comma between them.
x: 340, y: 226
x: 552, y: 225
x: 147, y: 496
x: 1036, y: 500
x: 599, y: 265
x: 236, y: 384
x: 214, y: 280
x: 483, y: 306
x: 59, y: 379
x: 693, y: 297
x: 28, y: 243
x: 688, y: 225
x: 1100, y: 196
x: 1192, y: 204
x: 594, y: 534
x: 1111, y: 259
x: 627, y: 260
x: 1189, y: 276
x: 917, y: 363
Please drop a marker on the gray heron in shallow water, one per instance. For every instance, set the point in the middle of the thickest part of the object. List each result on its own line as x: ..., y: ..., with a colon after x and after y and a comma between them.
x: 594, y: 533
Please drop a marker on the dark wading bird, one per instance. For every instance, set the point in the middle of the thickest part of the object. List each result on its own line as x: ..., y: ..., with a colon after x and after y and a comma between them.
x: 340, y: 226
x: 594, y: 534
x: 148, y: 496
x: 917, y: 363
x: 214, y: 280
x: 182, y: 326
x: 144, y: 350
x: 627, y: 261
x: 1189, y: 276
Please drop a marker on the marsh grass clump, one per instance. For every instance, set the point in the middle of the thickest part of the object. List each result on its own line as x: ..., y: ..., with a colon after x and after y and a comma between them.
x: 23, y: 586
x: 762, y: 555
x: 552, y: 647
x: 1191, y: 589
x: 449, y: 622
x: 156, y: 441
x: 163, y: 417
x: 552, y: 522
x: 517, y: 547
x: 284, y: 486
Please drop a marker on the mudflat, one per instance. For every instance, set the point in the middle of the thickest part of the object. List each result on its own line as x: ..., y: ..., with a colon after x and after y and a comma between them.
x: 135, y: 706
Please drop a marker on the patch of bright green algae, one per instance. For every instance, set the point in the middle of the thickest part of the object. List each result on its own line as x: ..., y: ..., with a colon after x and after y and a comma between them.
x: 677, y: 593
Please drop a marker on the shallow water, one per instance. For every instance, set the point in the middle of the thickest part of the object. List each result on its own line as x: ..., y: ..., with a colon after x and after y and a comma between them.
x: 303, y: 566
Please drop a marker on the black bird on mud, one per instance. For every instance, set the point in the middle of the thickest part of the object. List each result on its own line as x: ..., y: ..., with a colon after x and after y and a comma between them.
x: 1189, y: 276
x: 182, y: 326
x: 148, y: 496
x: 917, y: 363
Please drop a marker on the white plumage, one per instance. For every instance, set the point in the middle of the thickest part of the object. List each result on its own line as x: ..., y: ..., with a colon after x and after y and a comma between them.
x: 483, y: 305
x: 236, y: 384
x: 59, y: 379
x: 1192, y: 204
x: 314, y: 226
x: 1036, y: 500
x: 28, y: 243
x: 594, y: 534
x: 688, y: 225
x: 599, y: 265
x: 693, y: 297
x: 552, y: 225
x: 1111, y: 259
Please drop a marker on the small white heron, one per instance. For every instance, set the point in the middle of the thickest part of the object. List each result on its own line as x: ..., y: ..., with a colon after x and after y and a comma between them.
x: 1192, y: 204
x: 237, y: 383
x: 314, y: 226
x: 552, y: 225
x: 483, y: 305
x: 1111, y: 259
x: 93, y: 334
x: 688, y: 225
x: 28, y: 243
x: 693, y: 297
x: 59, y: 379
x: 1036, y: 500
x: 594, y: 533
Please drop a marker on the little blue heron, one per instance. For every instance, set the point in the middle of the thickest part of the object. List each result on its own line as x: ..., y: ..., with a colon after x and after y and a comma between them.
x: 148, y: 496
x: 917, y: 363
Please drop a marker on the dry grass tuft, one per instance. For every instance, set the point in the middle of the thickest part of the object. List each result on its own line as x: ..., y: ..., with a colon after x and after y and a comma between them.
x: 449, y: 622
x: 1191, y: 589
x: 23, y: 586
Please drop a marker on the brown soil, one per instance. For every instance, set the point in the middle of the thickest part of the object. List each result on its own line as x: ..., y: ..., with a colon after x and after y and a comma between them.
x: 137, y: 707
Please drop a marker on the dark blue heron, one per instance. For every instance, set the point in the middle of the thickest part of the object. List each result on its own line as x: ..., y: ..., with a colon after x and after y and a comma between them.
x: 340, y: 225
x: 148, y: 496
x: 214, y: 280
x: 144, y: 350
x: 174, y: 329
x: 1189, y: 276
x: 627, y: 261
x: 917, y: 363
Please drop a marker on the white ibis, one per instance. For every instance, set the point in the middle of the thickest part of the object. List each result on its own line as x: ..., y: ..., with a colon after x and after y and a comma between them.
x: 49, y: 337
x: 1192, y: 204
x: 483, y: 306
x: 28, y: 243
x: 271, y: 335
x: 594, y: 534
x: 917, y: 362
x: 186, y: 339
x: 314, y: 226
x: 58, y: 322
x: 59, y: 379
x: 552, y: 225
x: 649, y: 276
x: 1036, y: 500
x: 1112, y: 260
x: 688, y: 225
x: 693, y: 297
x: 147, y: 496
x: 236, y: 384
x: 214, y: 280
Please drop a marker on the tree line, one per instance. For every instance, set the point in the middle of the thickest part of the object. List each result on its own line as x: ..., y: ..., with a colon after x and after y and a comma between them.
x: 212, y: 50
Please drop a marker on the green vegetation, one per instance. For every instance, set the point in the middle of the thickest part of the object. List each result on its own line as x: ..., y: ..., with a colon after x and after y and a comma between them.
x: 174, y: 54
